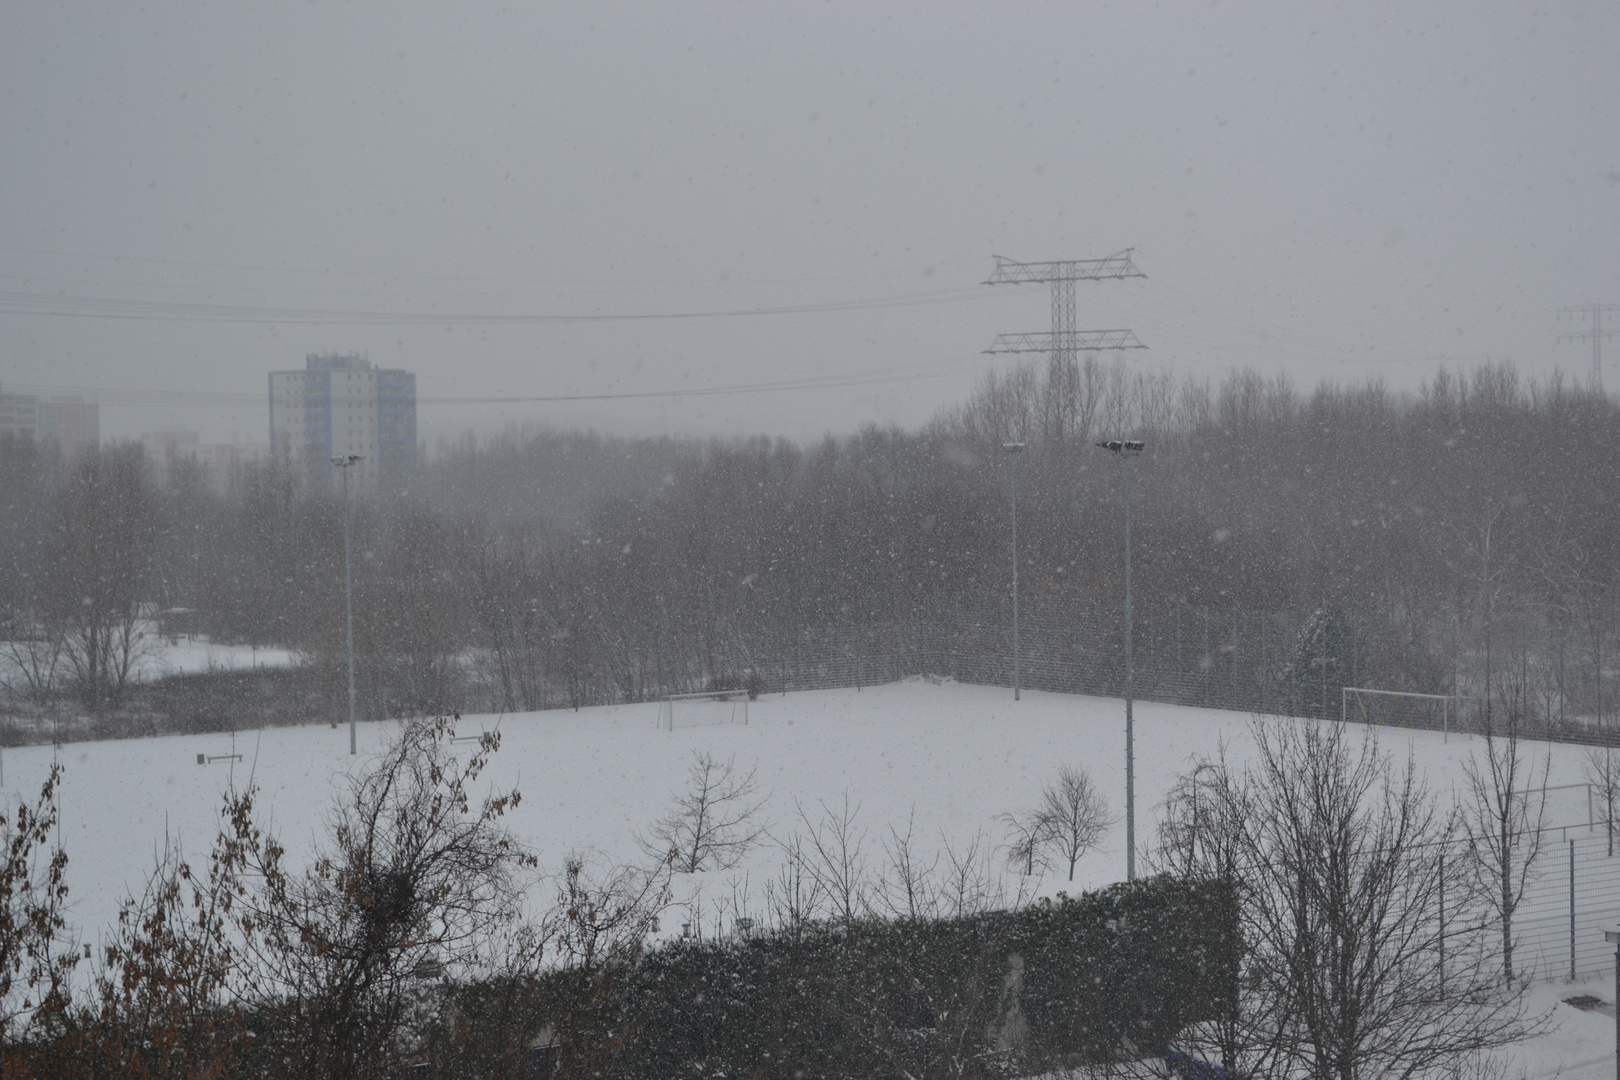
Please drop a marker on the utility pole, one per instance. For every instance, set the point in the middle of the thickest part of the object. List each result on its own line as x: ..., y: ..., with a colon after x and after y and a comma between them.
x: 1127, y: 451
x: 346, y: 463
x: 1593, y: 313
x: 1015, y: 448
x: 1064, y: 342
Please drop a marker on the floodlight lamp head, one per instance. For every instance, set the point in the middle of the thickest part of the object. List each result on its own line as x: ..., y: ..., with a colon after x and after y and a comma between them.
x: 1612, y: 936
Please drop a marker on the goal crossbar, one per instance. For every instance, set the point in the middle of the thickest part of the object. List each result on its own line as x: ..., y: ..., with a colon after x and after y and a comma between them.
x: 1444, y: 702
x: 666, y: 704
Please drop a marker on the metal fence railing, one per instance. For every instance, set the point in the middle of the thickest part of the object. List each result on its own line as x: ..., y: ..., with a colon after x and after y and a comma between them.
x: 1570, y: 899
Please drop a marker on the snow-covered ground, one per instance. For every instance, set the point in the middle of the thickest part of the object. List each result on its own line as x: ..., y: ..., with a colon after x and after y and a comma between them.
x: 954, y: 756
x: 189, y: 655
x: 185, y: 654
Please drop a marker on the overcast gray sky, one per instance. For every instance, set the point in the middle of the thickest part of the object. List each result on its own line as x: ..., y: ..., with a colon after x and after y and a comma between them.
x: 193, y: 195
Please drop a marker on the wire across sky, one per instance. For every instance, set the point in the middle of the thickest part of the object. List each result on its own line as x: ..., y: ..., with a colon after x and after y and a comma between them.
x: 138, y: 397
x: 63, y: 305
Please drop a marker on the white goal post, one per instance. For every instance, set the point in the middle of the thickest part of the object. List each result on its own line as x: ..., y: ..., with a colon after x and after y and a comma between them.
x: 705, y: 709
x: 1398, y: 708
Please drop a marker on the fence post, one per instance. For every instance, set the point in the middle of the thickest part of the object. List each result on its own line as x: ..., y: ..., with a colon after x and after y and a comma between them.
x: 1208, y: 663
x: 1234, y: 701
x: 1572, y: 911
x: 1560, y: 672
x: 1181, y: 665
x: 1442, y: 923
x: 1265, y: 625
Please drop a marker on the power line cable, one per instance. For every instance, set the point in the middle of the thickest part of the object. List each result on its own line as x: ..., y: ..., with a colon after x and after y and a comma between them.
x: 63, y: 306
x: 123, y: 260
x: 133, y: 396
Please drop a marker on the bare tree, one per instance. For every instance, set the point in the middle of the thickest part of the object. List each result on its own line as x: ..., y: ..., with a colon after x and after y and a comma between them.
x: 418, y: 880
x: 794, y: 896
x: 164, y: 995
x: 32, y: 659
x: 954, y: 883
x: 1503, y: 813
x: 834, y: 860
x: 1337, y: 859
x: 1204, y: 835
x: 604, y: 912
x: 1026, y: 842
x: 1073, y: 815
x: 1602, y: 769
x: 97, y: 567
x: 34, y: 970
x: 714, y: 823
x: 906, y: 889
x: 970, y: 886
x: 598, y: 927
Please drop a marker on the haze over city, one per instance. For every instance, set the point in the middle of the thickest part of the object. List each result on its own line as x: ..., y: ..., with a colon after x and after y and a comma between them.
x: 557, y: 201
x: 935, y: 541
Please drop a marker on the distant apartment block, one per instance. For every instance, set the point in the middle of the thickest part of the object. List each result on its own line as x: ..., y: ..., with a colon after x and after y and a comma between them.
x: 68, y: 423
x: 342, y: 406
x: 172, y: 449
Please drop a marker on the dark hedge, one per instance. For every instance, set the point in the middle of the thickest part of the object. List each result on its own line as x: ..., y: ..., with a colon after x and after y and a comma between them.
x: 1103, y: 976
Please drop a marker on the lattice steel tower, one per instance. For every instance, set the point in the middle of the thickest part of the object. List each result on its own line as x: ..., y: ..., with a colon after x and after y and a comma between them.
x: 1595, y: 313
x: 1064, y: 342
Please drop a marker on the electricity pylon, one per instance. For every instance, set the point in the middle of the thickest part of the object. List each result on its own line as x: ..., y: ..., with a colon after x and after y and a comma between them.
x: 1595, y: 313
x: 1064, y: 341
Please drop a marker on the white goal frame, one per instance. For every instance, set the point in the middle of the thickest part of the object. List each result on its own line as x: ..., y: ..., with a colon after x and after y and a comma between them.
x: 666, y: 706
x: 1444, y: 699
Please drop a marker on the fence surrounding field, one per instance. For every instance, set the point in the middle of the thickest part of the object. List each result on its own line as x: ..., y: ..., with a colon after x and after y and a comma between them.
x: 1268, y: 662
x: 1572, y: 897
x: 1250, y: 661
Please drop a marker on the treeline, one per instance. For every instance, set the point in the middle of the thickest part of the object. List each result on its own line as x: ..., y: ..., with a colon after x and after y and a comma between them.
x: 1465, y: 534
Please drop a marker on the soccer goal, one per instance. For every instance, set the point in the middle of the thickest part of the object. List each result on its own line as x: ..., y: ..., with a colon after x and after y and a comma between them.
x: 1397, y: 708
x: 711, y: 708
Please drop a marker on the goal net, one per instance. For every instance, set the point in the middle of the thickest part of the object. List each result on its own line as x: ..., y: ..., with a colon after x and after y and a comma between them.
x: 711, y: 708
x: 1396, y: 708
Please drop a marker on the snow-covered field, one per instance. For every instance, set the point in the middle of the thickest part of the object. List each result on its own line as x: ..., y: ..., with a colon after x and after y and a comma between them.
x: 950, y: 757
x: 160, y: 657
x: 190, y: 655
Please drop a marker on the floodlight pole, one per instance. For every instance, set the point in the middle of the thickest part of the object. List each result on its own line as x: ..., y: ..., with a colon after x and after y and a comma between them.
x: 1127, y: 451
x: 1014, y: 448
x: 345, y: 463
x: 1613, y: 938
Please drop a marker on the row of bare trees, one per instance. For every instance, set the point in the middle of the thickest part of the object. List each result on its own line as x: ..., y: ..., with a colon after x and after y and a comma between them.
x: 79, y: 625
x: 831, y: 867
x: 1379, y: 920
x: 1469, y: 532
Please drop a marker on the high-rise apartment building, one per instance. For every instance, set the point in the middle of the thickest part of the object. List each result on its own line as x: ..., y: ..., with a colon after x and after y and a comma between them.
x: 342, y: 406
x: 68, y: 423
x: 171, y: 449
